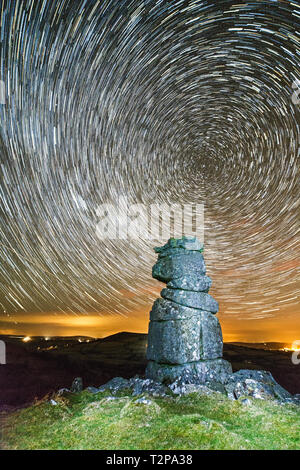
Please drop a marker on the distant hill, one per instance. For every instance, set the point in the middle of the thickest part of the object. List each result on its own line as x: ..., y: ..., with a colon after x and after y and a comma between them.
x: 272, y: 346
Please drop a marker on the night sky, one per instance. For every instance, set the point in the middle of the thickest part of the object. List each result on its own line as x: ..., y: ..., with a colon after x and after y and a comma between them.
x: 160, y: 101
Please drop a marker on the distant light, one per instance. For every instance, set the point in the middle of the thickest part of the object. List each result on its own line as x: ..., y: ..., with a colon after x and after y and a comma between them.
x: 291, y: 349
x: 26, y: 339
x: 47, y: 338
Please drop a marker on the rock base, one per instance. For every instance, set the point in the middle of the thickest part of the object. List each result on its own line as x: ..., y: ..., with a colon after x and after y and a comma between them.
x: 199, y: 372
x: 242, y: 385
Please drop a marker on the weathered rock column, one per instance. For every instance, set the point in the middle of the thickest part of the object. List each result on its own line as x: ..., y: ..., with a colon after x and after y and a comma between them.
x: 185, y: 338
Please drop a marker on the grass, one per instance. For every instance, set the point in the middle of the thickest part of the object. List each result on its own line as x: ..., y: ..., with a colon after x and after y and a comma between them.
x: 86, y: 421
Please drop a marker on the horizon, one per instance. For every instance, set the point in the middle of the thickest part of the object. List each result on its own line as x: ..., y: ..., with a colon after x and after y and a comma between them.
x: 101, y: 325
x: 95, y: 338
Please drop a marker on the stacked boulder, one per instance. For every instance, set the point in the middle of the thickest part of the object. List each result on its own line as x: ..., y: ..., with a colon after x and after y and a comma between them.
x: 185, y: 337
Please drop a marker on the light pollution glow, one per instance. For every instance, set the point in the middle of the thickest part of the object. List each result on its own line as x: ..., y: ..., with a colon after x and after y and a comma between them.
x: 50, y: 324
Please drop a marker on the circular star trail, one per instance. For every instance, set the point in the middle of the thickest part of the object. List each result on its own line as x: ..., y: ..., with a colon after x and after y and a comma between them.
x: 162, y: 101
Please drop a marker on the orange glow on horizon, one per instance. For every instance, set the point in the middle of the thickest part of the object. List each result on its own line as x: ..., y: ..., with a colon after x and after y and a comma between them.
x: 284, y: 328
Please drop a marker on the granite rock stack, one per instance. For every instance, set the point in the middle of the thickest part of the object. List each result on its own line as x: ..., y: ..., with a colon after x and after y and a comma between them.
x: 185, y: 337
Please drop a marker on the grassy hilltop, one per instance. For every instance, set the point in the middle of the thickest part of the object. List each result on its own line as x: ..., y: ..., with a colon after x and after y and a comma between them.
x: 103, y: 421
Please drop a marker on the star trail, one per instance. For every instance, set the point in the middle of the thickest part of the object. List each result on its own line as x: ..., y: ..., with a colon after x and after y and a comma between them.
x: 162, y: 101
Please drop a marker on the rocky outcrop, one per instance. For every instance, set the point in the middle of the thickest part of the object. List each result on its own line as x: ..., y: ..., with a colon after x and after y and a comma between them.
x: 256, y: 384
x: 77, y: 385
x: 185, y: 338
x: 242, y: 386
